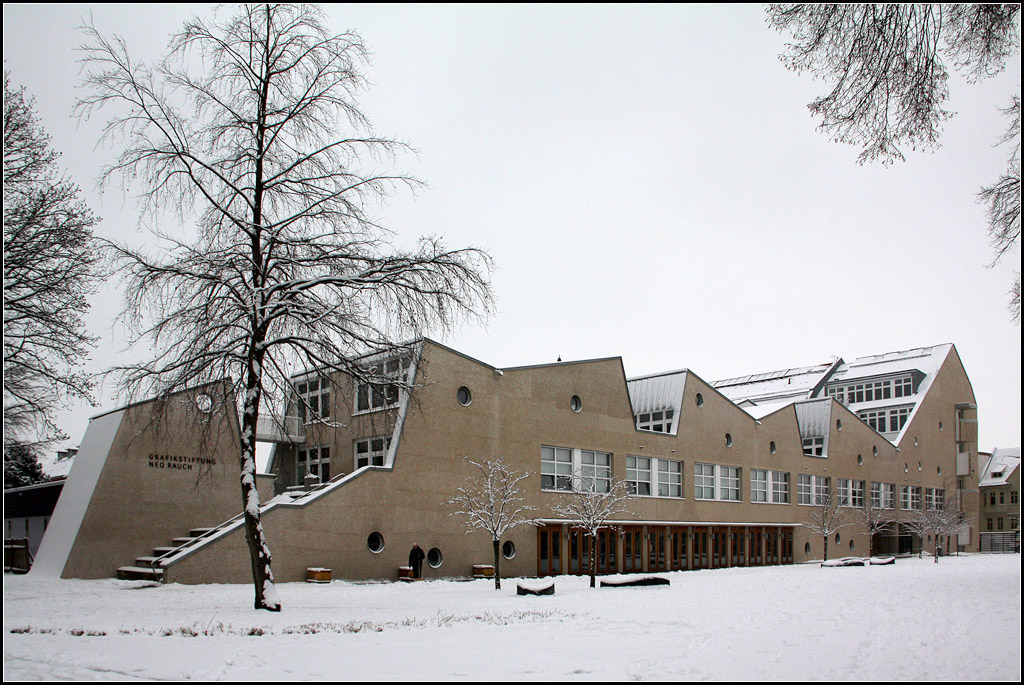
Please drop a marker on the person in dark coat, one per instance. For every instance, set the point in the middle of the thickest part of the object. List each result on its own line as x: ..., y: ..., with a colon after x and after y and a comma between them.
x: 416, y: 557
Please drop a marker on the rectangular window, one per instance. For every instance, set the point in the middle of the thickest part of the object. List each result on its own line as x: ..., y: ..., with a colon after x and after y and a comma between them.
x: 844, y: 492
x: 814, y: 447
x: 1013, y: 497
x: 716, y: 482
x: 704, y: 481
x: 933, y: 498
x: 883, y: 495
x: 903, y: 387
x: 638, y: 475
x: 380, y: 393
x: 595, y: 471
x: 758, y: 485
x: 315, y: 461
x: 670, y: 478
x: 556, y: 468
x: 857, y: 493
x: 313, y: 399
x: 657, y: 421
x: 562, y: 468
x: 371, y: 451
x: 729, y: 483
x: 812, y: 489
x: 780, y: 487
x: 910, y: 497
x: 804, y: 488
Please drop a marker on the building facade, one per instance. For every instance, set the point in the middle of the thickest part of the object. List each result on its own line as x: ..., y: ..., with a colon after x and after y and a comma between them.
x: 725, y: 473
x: 999, y: 519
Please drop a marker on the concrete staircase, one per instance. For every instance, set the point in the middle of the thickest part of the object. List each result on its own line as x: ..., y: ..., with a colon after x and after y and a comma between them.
x: 148, y: 567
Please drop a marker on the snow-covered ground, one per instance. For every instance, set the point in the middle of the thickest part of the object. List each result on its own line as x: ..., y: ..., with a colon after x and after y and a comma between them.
x: 959, y: 619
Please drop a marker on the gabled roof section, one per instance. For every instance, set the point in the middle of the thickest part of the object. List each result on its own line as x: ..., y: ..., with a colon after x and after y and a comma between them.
x: 1000, y: 466
x: 658, y: 392
x: 927, y: 360
x: 774, y: 386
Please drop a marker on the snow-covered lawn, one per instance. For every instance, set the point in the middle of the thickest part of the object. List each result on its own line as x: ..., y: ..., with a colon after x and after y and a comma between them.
x: 959, y: 619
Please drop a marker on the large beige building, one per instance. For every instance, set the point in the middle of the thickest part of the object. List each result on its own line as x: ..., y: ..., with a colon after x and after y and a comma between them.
x: 725, y: 472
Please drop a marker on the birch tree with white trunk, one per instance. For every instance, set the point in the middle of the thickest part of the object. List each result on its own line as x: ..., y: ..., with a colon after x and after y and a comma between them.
x: 249, y: 136
x: 490, y: 501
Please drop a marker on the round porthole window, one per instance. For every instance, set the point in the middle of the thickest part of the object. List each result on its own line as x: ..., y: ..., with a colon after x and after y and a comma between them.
x: 435, y: 558
x: 860, y: 460
x: 508, y: 550
x: 700, y: 400
x: 807, y: 548
x: 839, y: 424
x: 728, y: 440
x: 375, y: 542
x: 204, y: 403
x: 851, y: 545
x: 837, y: 538
x: 771, y: 447
x: 874, y: 451
x: 464, y: 396
x: 576, y: 404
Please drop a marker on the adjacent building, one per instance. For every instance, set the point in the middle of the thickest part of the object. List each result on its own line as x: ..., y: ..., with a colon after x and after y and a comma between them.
x: 725, y: 472
x: 999, y: 519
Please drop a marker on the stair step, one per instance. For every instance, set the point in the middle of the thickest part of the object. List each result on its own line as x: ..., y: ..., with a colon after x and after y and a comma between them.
x: 160, y: 551
x: 178, y: 542
x: 196, y: 532
x: 145, y: 562
x: 139, y: 573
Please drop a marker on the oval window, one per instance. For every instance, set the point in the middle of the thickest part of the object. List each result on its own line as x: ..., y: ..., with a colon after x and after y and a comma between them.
x: 860, y: 460
x: 464, y: 396
x: 435, y: 558
x: 771, y: 447
x: 375, y: 542
x: 205, y: 403
x: 728, y: 440
x: 508, y: 550
x: 700, y: 400
x: 576, y: 404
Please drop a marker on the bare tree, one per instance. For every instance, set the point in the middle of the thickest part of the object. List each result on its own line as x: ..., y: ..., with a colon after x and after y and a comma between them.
x: 887, y: 67
x: 877, y: 516
x: 826, y: 518
x: 590, y: 504
x: 490, y: 501
x: 939, y: 518
x: 51, y: 263
x: 1003, y: 200
x: 262, y: 147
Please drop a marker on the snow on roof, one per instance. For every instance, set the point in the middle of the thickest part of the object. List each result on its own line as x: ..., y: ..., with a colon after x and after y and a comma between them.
x: 763, y: 409
x: 774, y: 385
x: 657, y: 392
x: 1000, y: 466
x: 927, y: 360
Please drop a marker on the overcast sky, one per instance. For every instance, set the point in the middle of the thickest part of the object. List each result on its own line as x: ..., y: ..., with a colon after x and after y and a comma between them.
x: 648, y: 180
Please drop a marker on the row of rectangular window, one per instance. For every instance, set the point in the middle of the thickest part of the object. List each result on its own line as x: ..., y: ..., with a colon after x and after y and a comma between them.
x: 317, y: 460
x: 313, y: 396
x: 886, y: 420
x: 872, y: 390
x: 1002, y: 497
x: 657, y: 421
